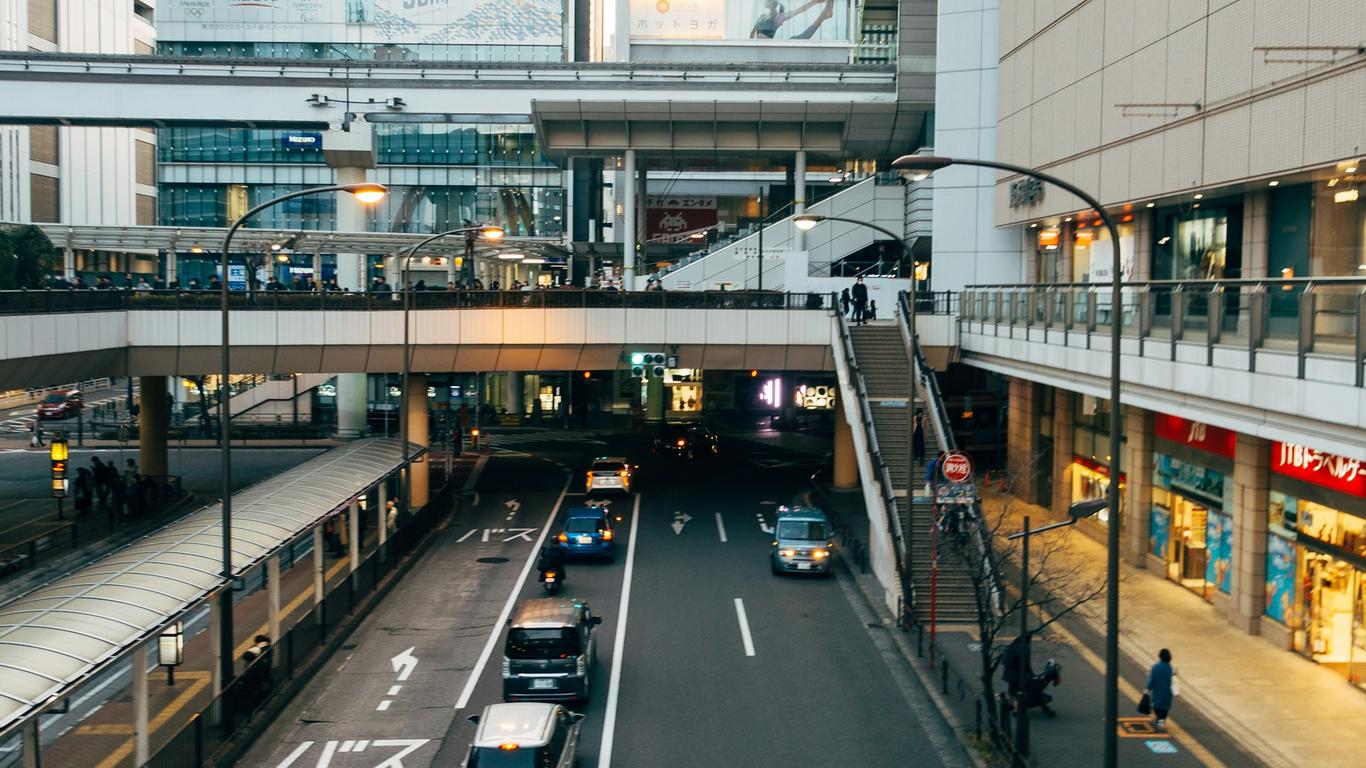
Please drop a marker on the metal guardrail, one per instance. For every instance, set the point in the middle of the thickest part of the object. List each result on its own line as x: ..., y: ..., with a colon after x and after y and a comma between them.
x: 948, y: 442
x: 1320, y: 316
x: 879, y: 467
x: 53, y: 301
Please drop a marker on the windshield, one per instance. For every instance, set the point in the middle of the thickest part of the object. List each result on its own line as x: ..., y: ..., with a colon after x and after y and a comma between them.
x: 801, y: 530
x: 584, y: 525
x: 555, y: 643
x: 55, y: 399
x: 608, y: 466
x: 493, y: 757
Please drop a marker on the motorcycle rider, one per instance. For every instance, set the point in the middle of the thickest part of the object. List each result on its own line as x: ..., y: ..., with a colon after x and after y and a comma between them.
x: 551, y: 559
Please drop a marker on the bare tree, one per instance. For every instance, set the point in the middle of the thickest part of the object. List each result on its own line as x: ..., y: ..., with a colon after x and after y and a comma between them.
x: 1059, y: 582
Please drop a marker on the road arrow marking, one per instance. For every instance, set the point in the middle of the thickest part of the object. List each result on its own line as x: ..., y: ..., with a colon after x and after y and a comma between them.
x: 680, y: 519
x: 513, y: 505
x: 404, y: 663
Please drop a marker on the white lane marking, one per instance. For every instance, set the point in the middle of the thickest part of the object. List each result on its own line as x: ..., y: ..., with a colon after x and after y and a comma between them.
x: 744, y: 626
x: 298, y: 751
x: 325, y: 759
x: 394, y: 689
x: 468, y: 534
x: 511, y: 601
x: 720, y: 528
x: 383, y: 705
x: 609, y: 725
x: 404, y: 664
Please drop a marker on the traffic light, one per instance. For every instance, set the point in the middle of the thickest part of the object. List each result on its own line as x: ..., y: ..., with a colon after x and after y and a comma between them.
x: 58, y: 453
x: 651, y: 362
x: 637, y: 371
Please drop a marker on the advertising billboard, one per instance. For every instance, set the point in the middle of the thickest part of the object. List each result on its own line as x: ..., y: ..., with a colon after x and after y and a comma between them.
x: 436, y: 22
x: 759, y: 20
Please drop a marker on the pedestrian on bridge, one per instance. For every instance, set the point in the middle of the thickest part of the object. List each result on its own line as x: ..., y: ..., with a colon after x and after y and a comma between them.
x: 918, y: 437
x: 101, y: 473
x: 860, y: 298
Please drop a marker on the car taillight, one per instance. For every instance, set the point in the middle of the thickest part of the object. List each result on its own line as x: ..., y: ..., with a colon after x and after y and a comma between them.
x: 606, y: 535
x: 623, y: 474
x: 563, y: 537
x: 581, y: 668
x: 507, y: 667
x: 682, y: 443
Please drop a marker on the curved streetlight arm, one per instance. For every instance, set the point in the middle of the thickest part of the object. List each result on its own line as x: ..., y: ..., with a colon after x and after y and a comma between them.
x: 1112, y: 495
x: 404, y: 261
x: 226, y: 633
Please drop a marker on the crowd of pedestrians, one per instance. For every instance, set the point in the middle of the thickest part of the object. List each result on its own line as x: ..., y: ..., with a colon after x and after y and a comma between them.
x: 124, y: 494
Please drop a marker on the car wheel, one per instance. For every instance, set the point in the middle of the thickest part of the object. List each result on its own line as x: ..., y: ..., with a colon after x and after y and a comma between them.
x: 774, y: 568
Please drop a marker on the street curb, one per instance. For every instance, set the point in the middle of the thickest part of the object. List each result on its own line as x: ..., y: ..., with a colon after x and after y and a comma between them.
x: 240, y: 742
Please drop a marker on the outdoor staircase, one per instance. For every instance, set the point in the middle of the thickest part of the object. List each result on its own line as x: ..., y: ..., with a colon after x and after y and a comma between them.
x: 880, y: 353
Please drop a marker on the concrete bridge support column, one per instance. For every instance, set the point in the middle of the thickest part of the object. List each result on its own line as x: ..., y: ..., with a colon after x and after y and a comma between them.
x: 628, y: 207
x: 1251, y: 507
x: 419, y: 488
x: 352, y: 397
x: 153, y: 419
x: 798, y: 199
x: 846, y: 460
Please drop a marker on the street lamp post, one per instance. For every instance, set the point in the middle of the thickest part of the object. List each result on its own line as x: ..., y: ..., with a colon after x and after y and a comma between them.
x: 921, y: 166
x: 806, y: 222
x: 366, y: 193
x: 489, y: 232
x: 1078, y: 511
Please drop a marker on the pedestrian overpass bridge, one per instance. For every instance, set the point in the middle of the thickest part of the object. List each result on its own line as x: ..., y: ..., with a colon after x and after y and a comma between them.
x: 49, y: 337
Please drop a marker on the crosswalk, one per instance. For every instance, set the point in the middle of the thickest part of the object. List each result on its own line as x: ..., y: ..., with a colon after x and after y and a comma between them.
x: 24, y: 423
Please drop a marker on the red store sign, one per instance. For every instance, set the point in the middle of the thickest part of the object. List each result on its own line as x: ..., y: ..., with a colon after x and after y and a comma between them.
x: 1216, y: 440
x: 1327, y: 470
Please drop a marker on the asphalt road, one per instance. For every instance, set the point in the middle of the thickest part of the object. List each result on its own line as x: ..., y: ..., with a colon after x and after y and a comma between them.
x: 815, y: 686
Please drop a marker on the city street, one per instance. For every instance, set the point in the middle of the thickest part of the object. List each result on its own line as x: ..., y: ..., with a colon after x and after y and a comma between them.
x: 704, y: 657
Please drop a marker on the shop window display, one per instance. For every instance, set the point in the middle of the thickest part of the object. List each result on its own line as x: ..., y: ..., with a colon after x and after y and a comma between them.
x: 1188, y: 528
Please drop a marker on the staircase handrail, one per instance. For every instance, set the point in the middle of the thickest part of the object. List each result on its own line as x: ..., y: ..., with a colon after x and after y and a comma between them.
x: 879, y: 467
x: 944, y: 428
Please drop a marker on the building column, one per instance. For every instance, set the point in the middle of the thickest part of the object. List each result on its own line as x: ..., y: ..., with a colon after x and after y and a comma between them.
x: 216, y: 645
x: 418, y: 488
x: 654, y: 399
x: 353, y: 535
x: 1137, y: 465
x: 846, y: 458
x: 798, y: 198
x: 32, y: 744
x: 153, y: 418
x: 1065, y: 252
x: 1022, y: 439
x: 382, y: 525
x: 1251, y: 501
x: 273, y: 605
x: 352, y: 397
x: 628, y: 230
x: 515, y: 391
x: 1256, y: 233
x: 140, y: 750
x: 69, y: 263
x: 172, y: 266
x: 318, y: 564
x: 1063, y: 448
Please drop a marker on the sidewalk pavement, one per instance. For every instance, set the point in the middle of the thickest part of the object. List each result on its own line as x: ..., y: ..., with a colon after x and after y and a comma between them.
x: 1272, y: 703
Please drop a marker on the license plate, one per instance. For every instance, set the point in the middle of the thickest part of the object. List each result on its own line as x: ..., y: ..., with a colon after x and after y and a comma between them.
x: 803, y: 566
x: 585, y: 539
x: 543, y: 682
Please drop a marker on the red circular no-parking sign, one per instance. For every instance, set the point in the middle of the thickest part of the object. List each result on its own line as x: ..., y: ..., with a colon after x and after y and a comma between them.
x: 956, y: 467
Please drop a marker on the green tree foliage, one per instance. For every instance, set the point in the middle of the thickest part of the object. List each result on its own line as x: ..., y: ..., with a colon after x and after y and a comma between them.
x: 27, y: 257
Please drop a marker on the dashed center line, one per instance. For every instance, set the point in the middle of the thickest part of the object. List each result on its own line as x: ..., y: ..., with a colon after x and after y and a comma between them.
x: 744, y: 626
x: 720, y: 528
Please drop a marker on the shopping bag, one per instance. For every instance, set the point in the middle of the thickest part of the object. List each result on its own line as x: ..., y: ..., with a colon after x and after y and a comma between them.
x: 1145, y: 705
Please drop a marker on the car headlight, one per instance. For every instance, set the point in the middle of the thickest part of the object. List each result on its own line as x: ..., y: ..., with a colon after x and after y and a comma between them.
x: 820, y: 553
x: 788, y: 552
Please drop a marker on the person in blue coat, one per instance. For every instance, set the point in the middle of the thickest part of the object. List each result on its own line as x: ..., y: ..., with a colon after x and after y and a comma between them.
x: 1160, y: 687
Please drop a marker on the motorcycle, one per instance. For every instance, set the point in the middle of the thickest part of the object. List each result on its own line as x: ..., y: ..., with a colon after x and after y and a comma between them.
x: 550, y: 581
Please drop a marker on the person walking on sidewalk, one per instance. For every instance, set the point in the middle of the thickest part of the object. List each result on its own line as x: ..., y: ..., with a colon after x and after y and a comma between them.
x: 1159, y: 688
x: 918, y: 437
x: 101, y: 481
x: 37, y: 441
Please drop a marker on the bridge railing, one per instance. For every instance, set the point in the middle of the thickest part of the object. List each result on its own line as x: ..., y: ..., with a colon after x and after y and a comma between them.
x: 58, y: 301
x: 1323, y: 316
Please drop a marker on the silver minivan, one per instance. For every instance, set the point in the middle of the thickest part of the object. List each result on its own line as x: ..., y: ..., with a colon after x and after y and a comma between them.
x: 550, y: 651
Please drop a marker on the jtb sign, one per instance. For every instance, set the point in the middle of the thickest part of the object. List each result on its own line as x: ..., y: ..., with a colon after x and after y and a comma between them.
x: 1325, y: 469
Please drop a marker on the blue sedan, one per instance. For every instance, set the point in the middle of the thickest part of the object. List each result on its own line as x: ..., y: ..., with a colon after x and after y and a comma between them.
x: 587, y: 531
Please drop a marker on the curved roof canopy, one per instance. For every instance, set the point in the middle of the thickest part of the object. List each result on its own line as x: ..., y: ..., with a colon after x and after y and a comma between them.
x: 58, y: 635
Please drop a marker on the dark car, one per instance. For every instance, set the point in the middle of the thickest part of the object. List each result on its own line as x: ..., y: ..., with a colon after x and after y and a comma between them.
x: 551, y: 650
x: 685, y: 439
x: 60, y: 405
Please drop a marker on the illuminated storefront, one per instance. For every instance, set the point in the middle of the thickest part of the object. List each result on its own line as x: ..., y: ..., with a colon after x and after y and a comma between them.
x: 683, y: 389
x: 1190, y: 526
x: 1091, y: 480
x: 1316, y: 556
